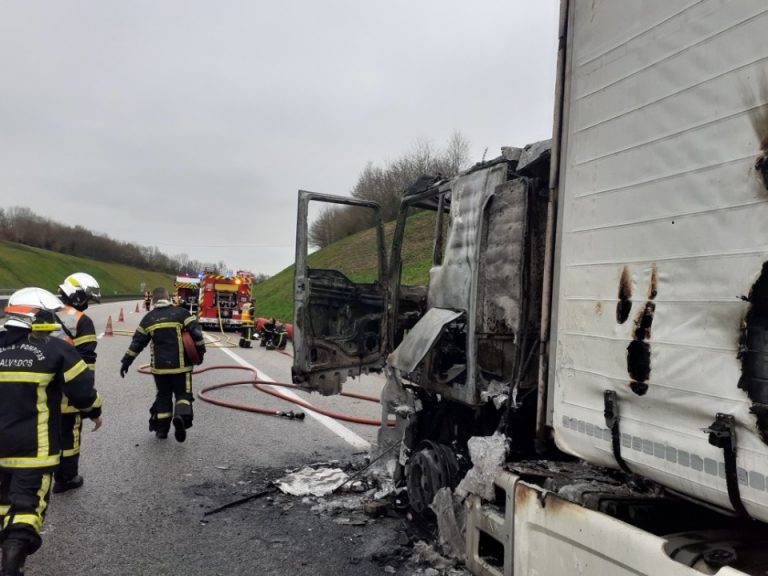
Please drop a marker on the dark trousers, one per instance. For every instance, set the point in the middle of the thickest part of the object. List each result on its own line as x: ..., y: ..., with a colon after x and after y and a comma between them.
x: 174, y: 398
x: 279, y: 340
x: 24, y: 496
x: 71, y: 432
x: 246, y: 335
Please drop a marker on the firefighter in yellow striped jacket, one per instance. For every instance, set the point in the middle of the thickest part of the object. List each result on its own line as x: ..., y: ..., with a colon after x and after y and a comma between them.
x: 76, y: 292
x: 36, y: 372
x: 246, y: 326
x: 171, y: 366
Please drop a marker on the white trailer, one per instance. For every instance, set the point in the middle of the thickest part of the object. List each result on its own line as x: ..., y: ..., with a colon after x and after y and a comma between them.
x: 634, y: 266
x: 656, y: 363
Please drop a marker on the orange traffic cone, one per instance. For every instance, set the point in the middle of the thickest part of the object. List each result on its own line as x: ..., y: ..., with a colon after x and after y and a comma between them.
x: 108, y: 329
x: 120, y: 317
x: 137, y: 308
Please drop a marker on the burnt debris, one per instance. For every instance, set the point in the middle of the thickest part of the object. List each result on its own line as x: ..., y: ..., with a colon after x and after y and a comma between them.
x: 639, y: 350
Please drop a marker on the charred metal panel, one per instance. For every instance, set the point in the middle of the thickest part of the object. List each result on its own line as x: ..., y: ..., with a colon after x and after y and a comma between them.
x: 339, y: 327
x: 534, y: 160
x: 451, y: 283
x: 420, y: 340
x: 658, y: 172
x: 553, y: 536
x: 490, y: 272
x: 500, y: 282
x: 580, y: 521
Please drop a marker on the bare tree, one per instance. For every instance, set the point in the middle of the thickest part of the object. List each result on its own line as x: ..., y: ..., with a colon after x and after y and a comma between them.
x: 321, y: 232
x: 385, y: 186
x: 19, y: 224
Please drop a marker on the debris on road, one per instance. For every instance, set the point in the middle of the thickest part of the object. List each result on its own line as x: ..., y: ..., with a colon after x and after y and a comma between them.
x: 451, y: 522
x: 241, y: 501
x: 310, y: 481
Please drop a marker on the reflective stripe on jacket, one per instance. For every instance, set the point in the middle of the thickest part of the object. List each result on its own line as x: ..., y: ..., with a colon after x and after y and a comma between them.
x: 162, y: 326
x: 81, y: 333
x: 36, y: 372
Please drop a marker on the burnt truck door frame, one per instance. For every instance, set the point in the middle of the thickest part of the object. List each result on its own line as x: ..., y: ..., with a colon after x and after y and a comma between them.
x: 437, y: 199
x: 323, y: 360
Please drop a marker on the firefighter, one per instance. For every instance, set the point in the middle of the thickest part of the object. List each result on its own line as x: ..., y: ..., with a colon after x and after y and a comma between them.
x: 267, y: 330
x: 246, y: 326
x: 76, y: 292
x: 171, y: 366
x: 279, y: 337
x: 36, y: 371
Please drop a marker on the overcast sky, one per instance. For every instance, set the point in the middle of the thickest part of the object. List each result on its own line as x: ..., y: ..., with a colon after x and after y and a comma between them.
x: 190, y: 125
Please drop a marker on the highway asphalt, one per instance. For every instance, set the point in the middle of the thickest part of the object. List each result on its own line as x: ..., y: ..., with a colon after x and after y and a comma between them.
x: 141, y: 510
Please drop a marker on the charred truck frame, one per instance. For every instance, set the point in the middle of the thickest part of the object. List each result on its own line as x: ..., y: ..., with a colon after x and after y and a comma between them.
x: 600, y: 306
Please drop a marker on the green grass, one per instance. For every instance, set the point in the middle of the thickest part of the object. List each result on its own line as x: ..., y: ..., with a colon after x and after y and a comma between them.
x: 22, y: 266
x: 356, y: 257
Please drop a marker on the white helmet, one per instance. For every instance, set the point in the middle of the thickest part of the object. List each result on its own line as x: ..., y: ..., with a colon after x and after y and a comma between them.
x: 80, y: 288
x: 34, y: 309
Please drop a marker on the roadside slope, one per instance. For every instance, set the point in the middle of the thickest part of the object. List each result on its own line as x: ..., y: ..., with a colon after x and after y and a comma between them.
x: 356, y: 257
x: 22, y: 266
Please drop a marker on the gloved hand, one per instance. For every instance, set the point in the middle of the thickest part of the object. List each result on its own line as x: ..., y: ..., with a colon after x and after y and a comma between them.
x: 201, y: 353
x: 126, y: 363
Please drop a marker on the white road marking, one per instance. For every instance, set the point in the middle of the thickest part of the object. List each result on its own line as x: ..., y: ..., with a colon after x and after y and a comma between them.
x: 333, y: 425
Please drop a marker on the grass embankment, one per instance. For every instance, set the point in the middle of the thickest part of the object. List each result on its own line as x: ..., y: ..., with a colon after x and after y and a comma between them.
x: 356, y: 257
x: 22, y: 266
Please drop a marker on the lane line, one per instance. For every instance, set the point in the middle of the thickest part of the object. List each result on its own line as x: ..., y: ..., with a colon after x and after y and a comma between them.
x: 333, y: 425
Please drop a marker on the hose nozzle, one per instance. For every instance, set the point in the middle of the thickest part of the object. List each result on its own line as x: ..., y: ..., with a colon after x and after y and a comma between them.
x: 291, y: 415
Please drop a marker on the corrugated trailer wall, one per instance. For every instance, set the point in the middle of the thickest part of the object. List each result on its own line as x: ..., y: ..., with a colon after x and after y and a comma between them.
x: 663, y: 233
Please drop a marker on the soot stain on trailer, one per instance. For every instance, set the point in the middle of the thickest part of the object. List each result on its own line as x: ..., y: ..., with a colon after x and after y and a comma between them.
x: 624, y: 305
x: 758, y: 117
x: 639, y: 350
x: 753, y: 352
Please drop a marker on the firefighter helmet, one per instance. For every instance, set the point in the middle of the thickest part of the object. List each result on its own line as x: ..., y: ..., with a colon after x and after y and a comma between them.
x: 80, y: 288
x: 34, y: 309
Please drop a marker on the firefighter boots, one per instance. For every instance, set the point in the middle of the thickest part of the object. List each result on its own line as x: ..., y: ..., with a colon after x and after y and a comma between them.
x: 179, y: 430
x: 152, y: 419
x: 14, y: 556
x: 71, y: 484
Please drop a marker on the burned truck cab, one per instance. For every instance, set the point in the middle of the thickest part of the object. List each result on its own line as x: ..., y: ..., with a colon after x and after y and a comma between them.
x: 482, y: 300
x: 459, y: 352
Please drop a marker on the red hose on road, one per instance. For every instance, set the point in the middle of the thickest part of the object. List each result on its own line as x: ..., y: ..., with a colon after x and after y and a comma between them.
x: 261, y: 386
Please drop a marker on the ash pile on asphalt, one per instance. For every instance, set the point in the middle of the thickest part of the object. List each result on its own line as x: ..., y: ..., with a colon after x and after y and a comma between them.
x: 362, y: 528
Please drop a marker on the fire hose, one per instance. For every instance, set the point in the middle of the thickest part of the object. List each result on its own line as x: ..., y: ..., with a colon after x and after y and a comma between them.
x: 267, y: 387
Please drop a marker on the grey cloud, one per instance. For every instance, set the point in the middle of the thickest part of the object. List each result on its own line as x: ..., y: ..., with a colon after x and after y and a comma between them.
x: 159, y: 121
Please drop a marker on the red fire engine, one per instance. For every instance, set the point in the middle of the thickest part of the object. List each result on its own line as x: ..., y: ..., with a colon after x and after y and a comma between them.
x: 187, y: 289
x: 222, y: 297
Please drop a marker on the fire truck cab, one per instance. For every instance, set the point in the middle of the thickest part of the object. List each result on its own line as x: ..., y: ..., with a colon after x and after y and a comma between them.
x: 222, y: 297
x: 187, y: 291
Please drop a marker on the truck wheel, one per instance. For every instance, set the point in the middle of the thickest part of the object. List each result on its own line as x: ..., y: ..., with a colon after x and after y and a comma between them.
x: 431, y: 467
